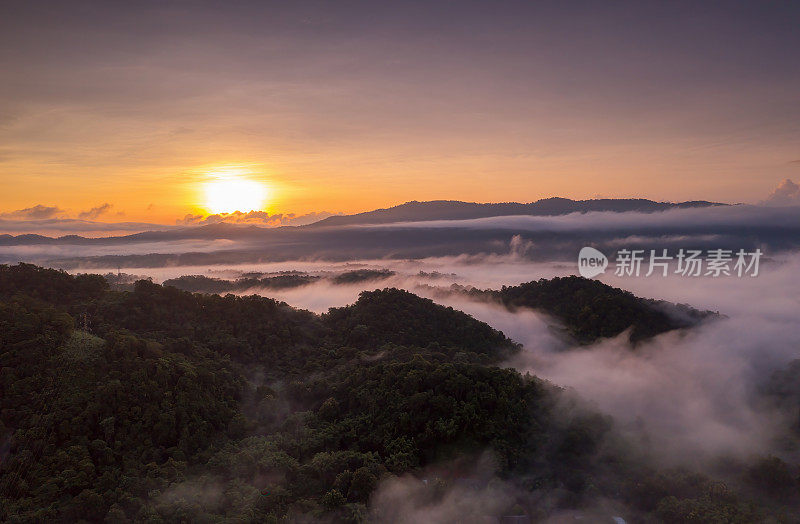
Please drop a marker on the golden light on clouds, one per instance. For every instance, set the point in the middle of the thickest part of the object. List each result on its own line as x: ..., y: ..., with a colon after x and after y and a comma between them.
x: 233, y: 188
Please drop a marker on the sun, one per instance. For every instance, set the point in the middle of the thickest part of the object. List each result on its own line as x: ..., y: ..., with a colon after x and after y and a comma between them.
x: 230, y: 190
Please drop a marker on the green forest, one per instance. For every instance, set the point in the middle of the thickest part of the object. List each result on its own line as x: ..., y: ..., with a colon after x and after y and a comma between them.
x: 282, y: 280
x: 154, y: 404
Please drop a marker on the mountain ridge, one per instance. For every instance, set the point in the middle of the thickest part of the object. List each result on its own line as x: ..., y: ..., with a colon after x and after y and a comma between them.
x: 413, y: 211
x: 421, y: 211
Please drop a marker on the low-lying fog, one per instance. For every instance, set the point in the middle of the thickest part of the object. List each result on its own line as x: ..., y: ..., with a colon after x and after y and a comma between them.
x: 691, y: 394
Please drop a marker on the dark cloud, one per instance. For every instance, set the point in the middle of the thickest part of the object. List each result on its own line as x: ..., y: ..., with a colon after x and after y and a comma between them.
x: 37, y: 212
x: 95, y: 212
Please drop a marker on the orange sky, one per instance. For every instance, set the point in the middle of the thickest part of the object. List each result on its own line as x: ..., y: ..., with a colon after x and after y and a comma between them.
x: 345, y: 110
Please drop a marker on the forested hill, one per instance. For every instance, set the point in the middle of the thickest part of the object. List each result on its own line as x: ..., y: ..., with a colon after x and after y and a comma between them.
x: 255, y: 329
x: 162, y: 406
x: 587, y: 310
x: 590, y: 310
x: 284, y: 280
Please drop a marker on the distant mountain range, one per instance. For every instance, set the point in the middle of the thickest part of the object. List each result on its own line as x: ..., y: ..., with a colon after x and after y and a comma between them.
x: 409, y: 212
x: 455, y: 210
x: 443, y: 228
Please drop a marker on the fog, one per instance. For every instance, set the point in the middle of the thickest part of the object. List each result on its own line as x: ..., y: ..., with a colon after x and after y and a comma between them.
x: 692, y: 394
x: 684, y: 398
x: 9, y: 224
x: 687, y: 219
x: 540, y: 238
x: 43, y: 251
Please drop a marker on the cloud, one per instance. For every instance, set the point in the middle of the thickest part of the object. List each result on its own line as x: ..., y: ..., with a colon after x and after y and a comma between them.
x: 773, y: 229
x: 95, y: 212
x: 37, y: 212
x: 693, y: 396
x: 786, y: 194
x: 684, y: 396
x: 41, y: 253
x: 41, y: 212
x: 255, y: 217
x: 408, y: 499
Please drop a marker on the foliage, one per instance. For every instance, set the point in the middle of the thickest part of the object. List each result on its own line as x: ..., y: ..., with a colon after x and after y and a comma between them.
x: 362, y: 275
x: 158, y: 405
x: 203, y: 284
x: 392, y: 316
x: 591, y: 310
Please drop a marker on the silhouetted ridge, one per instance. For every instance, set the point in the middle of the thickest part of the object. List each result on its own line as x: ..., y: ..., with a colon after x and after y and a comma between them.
x: 456, y: 210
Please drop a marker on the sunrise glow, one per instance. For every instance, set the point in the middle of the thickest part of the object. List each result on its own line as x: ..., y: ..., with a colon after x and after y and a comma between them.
x: 230, y: 189
x: 375, y: 262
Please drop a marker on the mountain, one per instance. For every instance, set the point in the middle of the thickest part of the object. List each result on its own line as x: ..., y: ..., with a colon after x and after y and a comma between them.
x: 455, y: 210
x: 590, y: 310
x: 208, y: 232
x: 585, y: 310
x: 557, y: 238
x: 284, y: 280
x: 409, y: 212
x: 374, y: 319
x: 156, y: 405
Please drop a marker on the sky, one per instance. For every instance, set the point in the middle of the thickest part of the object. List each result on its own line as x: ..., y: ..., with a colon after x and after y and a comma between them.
x: 152, y: 111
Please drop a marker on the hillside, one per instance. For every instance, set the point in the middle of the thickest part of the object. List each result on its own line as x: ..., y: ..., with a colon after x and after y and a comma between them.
x: 590, y: 310
x: 586, y: 310
x: 285, y: 280
x: 162, y: 406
